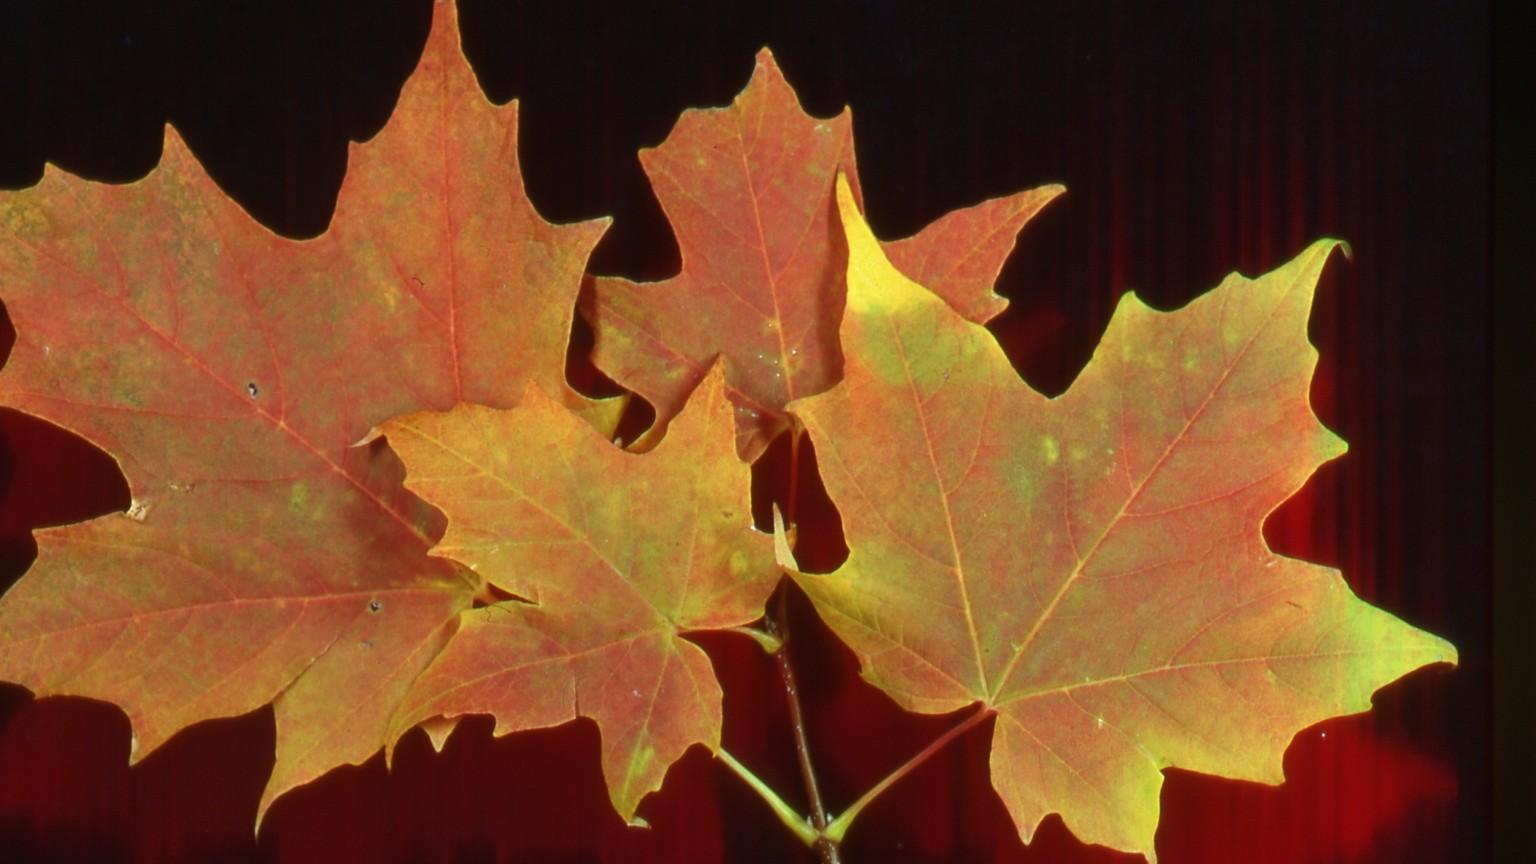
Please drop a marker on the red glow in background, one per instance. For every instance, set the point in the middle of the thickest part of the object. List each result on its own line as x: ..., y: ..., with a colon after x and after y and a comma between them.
x: 1192, y: 141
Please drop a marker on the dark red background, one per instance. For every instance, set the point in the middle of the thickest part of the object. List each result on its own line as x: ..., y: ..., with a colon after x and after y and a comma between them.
x: 1193, y: 141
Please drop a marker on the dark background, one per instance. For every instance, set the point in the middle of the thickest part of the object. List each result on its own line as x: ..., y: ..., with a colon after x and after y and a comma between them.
x: 1193, y: 140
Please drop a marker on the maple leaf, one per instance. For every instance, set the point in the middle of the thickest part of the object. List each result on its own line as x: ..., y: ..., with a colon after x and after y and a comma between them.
x: 229, y: 371
x: 1091, y: 568
x: 623, y: 552
x: 748, y: 191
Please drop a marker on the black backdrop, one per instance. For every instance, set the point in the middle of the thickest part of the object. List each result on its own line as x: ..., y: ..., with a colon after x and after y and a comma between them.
x: 1193, y: 141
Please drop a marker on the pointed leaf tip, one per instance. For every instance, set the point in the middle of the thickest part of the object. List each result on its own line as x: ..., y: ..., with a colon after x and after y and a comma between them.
x: 874, y: 284
x: 782, y: 552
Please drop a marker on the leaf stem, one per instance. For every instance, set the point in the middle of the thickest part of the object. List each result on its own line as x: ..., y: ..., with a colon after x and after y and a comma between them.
x: 778, y: 625
x: 787, y: 815
x: 839, y: 826
x: 767, y: 641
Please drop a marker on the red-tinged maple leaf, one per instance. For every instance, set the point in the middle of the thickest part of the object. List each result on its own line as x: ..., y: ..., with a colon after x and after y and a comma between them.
x: 623, y: 552
x: 229, y: 371
x: 1090, y: 569
x: 748, y: 191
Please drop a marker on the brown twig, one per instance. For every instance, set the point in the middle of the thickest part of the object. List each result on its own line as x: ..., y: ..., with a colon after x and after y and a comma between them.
x: 778, y: 625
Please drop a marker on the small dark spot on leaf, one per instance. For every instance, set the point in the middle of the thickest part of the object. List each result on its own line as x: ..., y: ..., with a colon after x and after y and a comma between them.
x: 375, y: 606
x: 366, y: 643
x: 250, y: 388
x: 1294, y: 603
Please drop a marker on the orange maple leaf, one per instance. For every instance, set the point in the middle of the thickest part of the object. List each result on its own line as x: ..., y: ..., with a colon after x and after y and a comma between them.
x: 229, y: 371
x: 748, y: 190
